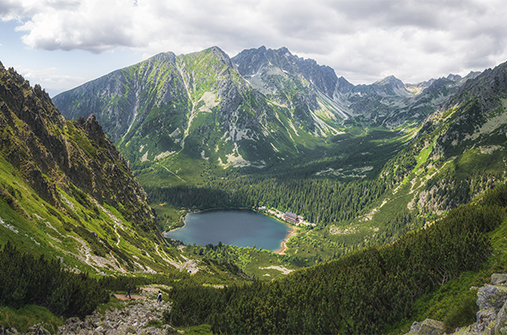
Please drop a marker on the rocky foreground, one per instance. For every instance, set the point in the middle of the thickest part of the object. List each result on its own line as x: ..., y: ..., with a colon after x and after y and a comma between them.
x: 491, y: 319
x: 141, y: 316
x: 144, y: 316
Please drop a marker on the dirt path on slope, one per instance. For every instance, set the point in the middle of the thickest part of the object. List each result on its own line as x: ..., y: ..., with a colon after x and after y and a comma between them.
x: 134, y: 297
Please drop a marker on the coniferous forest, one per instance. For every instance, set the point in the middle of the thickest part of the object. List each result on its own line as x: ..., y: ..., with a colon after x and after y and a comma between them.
x: 27, y: 279
x: 318, y: 200
x: 359, y: 293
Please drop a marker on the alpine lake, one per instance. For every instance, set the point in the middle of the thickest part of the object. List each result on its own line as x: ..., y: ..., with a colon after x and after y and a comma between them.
x: 240, y: 227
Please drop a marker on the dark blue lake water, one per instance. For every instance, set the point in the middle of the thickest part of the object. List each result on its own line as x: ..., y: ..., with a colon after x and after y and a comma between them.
x: 244, y: 228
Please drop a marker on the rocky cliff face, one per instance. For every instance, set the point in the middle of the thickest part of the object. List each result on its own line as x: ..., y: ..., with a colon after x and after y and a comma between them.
x: 52, y: 153
x: 287, y: 79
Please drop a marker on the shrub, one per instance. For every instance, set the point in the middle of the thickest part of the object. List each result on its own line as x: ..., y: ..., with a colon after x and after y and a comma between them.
x: 29, y: 280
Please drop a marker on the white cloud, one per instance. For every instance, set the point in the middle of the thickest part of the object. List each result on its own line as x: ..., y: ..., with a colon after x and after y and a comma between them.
x: 49, y: 77
x: 362, y: 40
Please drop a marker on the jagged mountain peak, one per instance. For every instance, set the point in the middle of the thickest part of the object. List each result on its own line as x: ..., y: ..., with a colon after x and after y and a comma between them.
x: 487, y: 87
x: 391, y: 81
x: 343, y: 85
x: 251, y: 61
x: 163, y: 56
x: 389, y: 86
x: 214, y: 51
x: 454, y: 77
x: 265, y: 61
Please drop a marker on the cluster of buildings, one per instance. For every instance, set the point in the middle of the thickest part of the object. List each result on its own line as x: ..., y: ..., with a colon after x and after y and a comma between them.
x: 293, y: 218
x: 287, y: 216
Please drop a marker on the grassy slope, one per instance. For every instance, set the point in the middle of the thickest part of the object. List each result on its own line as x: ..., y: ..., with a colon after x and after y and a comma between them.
x: 40, y: 228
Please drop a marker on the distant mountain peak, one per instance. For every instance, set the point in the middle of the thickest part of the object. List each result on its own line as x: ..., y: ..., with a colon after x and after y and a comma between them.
x: 284, y: 50
x: 343, y: 85
x: 390, y: 81
x: 454, y: 77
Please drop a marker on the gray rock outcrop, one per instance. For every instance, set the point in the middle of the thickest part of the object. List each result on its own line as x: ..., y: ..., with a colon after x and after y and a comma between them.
x: 491, y: 319
x: 135, y: 318
x: 140, y: 317
x: 427, y: 327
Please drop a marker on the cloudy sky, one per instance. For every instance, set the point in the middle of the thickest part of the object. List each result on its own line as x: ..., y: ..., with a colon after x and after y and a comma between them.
x: 61, y: 44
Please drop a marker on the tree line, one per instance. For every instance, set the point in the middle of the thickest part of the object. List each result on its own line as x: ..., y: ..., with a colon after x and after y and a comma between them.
x: 318, y: 200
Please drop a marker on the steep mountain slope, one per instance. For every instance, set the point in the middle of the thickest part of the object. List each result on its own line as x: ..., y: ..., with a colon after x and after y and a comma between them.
x: 460, y: 150
x: 300, y: 84
x: 195, y: 104
x: 469, y: 139
x: 65, y: 189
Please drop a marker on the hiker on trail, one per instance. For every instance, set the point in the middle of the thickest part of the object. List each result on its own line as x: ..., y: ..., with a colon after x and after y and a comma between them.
x: 128, y: 291
x: 159, y: 297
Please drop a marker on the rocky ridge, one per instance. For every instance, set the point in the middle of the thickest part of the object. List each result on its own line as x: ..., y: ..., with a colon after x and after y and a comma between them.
x: 52, y: 152
x: 69, y: 191
x: 142, y: 316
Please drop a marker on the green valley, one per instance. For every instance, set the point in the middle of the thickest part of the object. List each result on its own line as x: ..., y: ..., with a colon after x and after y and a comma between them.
x: 404, y: 189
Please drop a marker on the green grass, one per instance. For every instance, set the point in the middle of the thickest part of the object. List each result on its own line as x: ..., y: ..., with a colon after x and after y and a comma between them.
x: 454, y: 303
x: 22, y: 319
x: 111, y: 305
x: 422, y: 158
x: 197, y: 330
x: 252, y: 261
x: 40, y: 228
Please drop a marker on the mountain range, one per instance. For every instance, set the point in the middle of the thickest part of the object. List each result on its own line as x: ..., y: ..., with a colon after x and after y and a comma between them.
x: 189, y: 119
x: 257, y: 109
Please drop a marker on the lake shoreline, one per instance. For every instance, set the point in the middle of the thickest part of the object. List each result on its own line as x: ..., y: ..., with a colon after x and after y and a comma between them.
x: 283, y: 244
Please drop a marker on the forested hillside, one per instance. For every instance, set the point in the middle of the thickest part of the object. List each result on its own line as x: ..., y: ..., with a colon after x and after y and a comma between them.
x: 360, y: 293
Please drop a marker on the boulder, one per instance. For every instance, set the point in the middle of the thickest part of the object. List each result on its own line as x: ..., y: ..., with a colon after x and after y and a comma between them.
x: 500, y: 326
x: 485, y: 317
x: 431, y: 327
x: 491, y: 296
x: 499, y: 279
x: 415, y: 327
x: 427, y: 327
x: 37, y: 329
